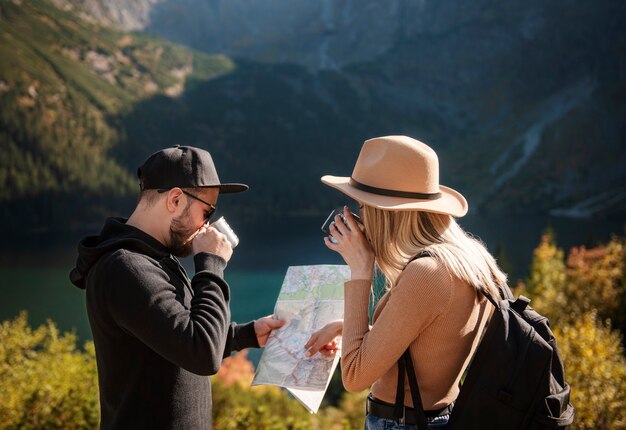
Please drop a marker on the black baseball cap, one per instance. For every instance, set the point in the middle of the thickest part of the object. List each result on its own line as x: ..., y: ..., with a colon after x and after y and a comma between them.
x: 183, y: 167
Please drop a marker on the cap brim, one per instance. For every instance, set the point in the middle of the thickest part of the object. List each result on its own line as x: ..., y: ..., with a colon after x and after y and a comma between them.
x: 451, y: 202
x: 228, y: 188
x: 232, y: 188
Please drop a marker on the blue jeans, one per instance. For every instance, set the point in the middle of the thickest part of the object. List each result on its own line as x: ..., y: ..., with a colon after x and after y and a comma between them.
x: 374, y: 423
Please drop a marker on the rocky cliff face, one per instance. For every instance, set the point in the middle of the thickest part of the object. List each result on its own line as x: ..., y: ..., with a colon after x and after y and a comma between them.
x: 319, y: 34
x: 123, y: 15
x: 333, y: 34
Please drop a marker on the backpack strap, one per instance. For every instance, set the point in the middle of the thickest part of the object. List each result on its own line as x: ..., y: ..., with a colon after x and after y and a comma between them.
x: 520, y: 304
x: 420, y: 255
x: 398, y: 411
x: 491, y: 299
x: 405, y: 365
x: 505, y: 294
x: 418, y: 407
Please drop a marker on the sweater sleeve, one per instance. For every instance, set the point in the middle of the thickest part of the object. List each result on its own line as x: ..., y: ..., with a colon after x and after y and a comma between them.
x: 142, y: 301
x: 422, y: 293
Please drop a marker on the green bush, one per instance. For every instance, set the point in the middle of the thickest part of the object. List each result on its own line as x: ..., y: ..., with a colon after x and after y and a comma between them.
x: 46, y: 382
x: 548, y: 279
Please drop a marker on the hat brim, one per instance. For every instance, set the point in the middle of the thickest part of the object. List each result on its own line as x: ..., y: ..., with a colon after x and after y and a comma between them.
x: 451, y: 202
x: 229, y: 188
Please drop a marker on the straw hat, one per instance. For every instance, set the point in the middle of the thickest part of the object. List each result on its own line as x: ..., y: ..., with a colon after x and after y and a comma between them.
x: 399, y: 173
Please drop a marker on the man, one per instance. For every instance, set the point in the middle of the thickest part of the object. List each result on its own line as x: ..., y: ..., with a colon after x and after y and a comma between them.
x: 158, y: 334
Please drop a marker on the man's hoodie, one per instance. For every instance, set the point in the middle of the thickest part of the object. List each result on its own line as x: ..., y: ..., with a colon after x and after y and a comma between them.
x: 157, y: 333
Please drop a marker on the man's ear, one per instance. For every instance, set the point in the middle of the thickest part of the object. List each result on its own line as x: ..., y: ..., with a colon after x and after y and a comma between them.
x: 174, y: 201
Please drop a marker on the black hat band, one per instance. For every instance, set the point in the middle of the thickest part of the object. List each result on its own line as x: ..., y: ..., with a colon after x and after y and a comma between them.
x: 393, y: 193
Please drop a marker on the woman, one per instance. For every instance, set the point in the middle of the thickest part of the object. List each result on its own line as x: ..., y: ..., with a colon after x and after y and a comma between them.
x: 432, y: 307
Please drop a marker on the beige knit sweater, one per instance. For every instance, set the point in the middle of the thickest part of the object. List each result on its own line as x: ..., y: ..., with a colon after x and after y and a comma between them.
x: 439, y: 316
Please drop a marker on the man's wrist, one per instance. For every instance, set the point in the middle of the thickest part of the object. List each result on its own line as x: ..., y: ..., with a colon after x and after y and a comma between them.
x: 245, y: 336
x: 206, y: 261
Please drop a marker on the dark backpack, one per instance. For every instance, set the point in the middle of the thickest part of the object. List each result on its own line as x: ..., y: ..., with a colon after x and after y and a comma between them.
x: 515, y: 379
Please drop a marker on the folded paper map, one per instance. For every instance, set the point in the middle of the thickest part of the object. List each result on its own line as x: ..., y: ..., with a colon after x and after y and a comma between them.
x: 310, y: 297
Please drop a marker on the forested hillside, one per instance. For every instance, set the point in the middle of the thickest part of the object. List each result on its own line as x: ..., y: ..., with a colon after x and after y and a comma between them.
x: 65, y: 84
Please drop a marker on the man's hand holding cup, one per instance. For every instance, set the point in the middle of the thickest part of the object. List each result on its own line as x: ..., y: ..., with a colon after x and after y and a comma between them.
x: 211, y: 240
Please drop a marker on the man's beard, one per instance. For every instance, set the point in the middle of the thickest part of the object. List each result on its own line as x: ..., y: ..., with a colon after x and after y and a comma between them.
x: 181, y: 236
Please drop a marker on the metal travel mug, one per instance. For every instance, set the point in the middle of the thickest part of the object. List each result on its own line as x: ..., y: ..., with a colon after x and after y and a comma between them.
x: 331, y: 219
x: 222, y: 226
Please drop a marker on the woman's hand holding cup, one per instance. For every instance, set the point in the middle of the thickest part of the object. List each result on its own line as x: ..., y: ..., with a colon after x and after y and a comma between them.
x: 352, y: 245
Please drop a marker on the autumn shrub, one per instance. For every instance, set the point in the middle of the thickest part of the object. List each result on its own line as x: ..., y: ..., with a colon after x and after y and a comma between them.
x: 595, y: 367
x: 596, y: 280
x: 236, y: 405
x: 47, y: 383
x: 265, y: 408
x: 588, y: 280
x: 582, y: 295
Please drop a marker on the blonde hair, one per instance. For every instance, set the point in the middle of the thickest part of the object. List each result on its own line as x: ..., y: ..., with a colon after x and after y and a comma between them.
x: 398, y: 236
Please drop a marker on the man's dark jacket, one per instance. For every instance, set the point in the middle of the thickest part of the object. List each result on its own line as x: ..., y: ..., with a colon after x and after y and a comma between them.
x: 157, y: 333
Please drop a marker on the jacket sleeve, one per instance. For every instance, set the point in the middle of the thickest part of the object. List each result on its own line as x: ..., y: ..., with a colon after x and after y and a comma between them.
x: 240, y: 336
x: 142, y: 301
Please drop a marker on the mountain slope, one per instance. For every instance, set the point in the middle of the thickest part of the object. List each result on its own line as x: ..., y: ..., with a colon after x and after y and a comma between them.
x: 63, y: 84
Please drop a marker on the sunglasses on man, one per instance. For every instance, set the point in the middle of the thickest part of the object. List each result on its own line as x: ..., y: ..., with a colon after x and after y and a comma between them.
x: 208, y: 214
